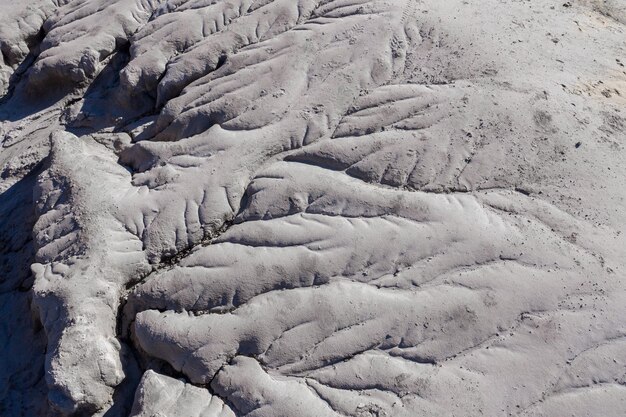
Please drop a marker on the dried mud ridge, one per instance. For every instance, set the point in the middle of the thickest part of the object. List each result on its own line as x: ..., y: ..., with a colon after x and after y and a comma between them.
x: 312, y: 208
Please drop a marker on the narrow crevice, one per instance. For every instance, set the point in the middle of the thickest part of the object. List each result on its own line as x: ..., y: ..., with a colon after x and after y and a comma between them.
x: 147, y: 362
x: 220, y: 62
x: 124, y: 324
x: 168, y: 262
x: 211, y: 388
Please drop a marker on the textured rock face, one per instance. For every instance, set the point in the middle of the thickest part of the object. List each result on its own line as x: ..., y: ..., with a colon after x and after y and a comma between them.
x: 312, y: 208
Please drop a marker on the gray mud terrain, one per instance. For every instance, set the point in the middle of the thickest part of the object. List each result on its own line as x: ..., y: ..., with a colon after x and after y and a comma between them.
x: 313, y: 208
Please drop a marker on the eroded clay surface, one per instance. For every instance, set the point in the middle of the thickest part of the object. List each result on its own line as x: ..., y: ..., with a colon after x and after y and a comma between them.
x: 284, y: 208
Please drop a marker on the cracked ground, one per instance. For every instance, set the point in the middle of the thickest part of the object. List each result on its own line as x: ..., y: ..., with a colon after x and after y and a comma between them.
x: 293, y: 208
